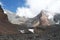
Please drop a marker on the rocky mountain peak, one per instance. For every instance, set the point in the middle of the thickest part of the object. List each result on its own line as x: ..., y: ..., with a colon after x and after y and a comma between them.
x: 41, y: 19
x: 44, y: 19
x: 3, y: 17
x: 5, y: 26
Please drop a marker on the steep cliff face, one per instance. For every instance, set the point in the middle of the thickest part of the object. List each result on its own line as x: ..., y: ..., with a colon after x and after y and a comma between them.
x: 5, y: 26
x: 44, y: 19
x: 41, y: 19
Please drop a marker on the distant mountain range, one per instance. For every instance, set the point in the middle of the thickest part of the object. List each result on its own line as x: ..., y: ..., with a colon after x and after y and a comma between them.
x: 15, y: 19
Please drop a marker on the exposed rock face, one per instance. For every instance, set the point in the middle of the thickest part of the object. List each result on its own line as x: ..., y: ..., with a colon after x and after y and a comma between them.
x: 44, y: 19
x: 57, y: 18
x: 41, y: 19
x: 5, y: 26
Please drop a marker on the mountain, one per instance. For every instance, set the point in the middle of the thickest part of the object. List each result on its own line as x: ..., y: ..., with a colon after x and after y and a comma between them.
x: 5, y: 26
x: 41, y: 24
x: 41, y: 19
x: 20, y: 22
x: 34, y: 21
x: 15, y: 19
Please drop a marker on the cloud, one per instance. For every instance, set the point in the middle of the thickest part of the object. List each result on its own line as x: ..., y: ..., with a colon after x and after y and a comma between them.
x: 55, y: 7
x: 24, y: 12
x: 37, y: 5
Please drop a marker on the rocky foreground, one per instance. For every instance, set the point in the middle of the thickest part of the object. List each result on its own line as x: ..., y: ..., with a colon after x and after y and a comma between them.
x: 48, y: 33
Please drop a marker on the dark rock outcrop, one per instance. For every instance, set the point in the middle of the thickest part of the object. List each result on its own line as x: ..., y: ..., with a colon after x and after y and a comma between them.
x: 5, y: 26
x: 57, y: 18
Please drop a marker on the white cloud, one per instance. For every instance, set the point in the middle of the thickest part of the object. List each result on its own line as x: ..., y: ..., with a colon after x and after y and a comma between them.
x: 24, y: 12
x: 55, y: 7
x: 37, y: 5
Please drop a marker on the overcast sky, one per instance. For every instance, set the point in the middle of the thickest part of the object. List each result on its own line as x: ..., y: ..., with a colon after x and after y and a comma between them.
x: 30, y: 8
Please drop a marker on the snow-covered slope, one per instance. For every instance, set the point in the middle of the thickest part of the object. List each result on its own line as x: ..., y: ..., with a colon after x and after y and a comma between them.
x: 13, y: 18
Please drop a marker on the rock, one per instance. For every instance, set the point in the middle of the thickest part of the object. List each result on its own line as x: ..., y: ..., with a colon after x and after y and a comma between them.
x: 5, y: 26
x: 44, y: 19
x: 41, y: 19
x: 57, y: 18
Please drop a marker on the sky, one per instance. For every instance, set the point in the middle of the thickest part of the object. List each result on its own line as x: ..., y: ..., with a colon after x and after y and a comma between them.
x: 31, y: 8
x: 13, y: 4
